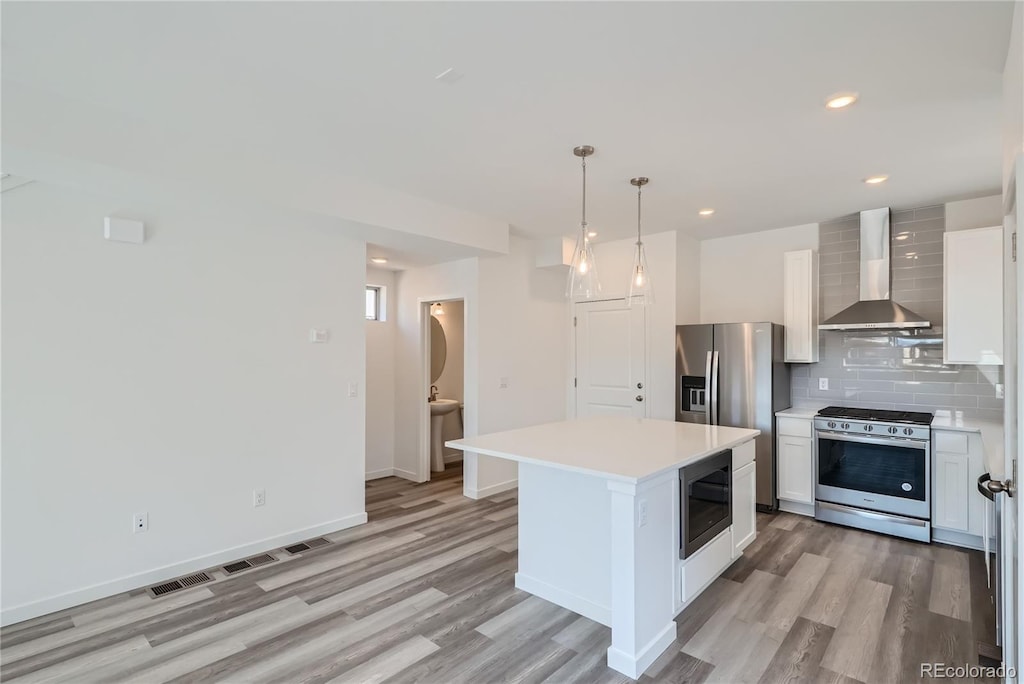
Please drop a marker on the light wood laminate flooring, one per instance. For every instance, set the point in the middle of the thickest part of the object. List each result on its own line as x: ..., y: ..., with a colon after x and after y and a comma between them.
x: 424, y: 593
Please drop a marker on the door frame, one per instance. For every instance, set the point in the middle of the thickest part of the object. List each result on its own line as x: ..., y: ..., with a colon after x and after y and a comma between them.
x: 423, y: 461
x: 571, y: 399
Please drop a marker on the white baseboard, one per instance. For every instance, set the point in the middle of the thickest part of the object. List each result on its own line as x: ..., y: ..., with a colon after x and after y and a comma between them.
x: 405, y: 474
x: 796, y: 507
x: 634, y: 666
x: 566, y: 599
x: 491, y: 490
x: 77, y: 597
x: 452, y: 456
x: 377, y: 474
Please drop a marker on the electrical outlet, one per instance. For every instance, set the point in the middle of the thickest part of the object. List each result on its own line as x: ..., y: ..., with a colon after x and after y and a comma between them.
x: 642, y: 512
x: 823, y: 383
x: 502, y: 383
x: 140, y: 522
x: 259, y: 497
x: 1000, y: 391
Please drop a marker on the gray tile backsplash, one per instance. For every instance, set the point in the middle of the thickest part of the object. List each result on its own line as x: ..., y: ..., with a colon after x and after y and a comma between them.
x: 893, y: 370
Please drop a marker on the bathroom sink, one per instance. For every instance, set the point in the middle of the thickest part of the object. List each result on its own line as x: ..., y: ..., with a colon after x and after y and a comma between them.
x: 441, y: 407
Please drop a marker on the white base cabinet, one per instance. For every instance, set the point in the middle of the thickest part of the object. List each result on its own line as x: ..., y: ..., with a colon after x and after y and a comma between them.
x: 795, y: 460
x: 744, y: 515
x: 957, y: 463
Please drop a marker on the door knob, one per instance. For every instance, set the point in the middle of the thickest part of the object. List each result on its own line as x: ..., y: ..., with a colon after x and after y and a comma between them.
x: 639, y: 385
x: 639, y: 397
x: 997, y: 487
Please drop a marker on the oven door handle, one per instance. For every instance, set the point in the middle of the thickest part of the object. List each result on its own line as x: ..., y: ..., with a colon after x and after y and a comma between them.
x: 921, y: 444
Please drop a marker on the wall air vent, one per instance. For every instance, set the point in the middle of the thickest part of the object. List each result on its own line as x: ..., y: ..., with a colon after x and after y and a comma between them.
x: 179, y: 584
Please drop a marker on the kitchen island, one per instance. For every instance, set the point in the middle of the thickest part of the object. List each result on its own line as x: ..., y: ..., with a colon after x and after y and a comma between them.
x: 599, y: 521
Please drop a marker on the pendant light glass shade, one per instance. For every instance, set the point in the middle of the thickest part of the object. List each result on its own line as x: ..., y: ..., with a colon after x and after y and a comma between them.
x: 641, y: 292
x: 583, y: 282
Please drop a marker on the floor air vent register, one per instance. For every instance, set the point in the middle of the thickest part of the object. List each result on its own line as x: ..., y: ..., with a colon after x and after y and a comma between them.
x: 174, y: 585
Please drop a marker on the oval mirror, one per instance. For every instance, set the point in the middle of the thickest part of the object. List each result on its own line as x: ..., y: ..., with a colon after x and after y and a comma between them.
x: 438, y: 349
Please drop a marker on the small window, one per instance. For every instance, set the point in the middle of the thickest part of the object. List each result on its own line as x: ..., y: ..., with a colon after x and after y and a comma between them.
x: 372, y: 303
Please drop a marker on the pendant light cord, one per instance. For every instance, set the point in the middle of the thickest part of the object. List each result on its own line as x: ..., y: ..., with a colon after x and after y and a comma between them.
x: 638, y: 190
x: 583, y: 225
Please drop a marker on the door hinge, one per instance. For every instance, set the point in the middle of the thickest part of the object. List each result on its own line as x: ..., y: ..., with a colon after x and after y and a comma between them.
x: 574, y: 382
x: 1013, y: 246
x: 574, y: 321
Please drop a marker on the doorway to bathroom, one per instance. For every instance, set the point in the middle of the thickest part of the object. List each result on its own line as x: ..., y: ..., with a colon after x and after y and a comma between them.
x: 444, y: 348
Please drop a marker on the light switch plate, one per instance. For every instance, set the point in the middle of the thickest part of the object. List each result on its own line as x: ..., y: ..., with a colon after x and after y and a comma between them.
x: 353, y: 389
x: 318, y: 335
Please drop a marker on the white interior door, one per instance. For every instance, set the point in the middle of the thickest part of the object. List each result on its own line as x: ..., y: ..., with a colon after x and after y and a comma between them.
x: 1012, y: 514
x: 610, y: 359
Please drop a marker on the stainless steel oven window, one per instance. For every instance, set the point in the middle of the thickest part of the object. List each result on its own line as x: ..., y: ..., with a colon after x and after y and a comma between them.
x: 878, y: 473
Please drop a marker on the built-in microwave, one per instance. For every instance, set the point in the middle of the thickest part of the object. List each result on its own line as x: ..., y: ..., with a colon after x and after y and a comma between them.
x: 705, y: 501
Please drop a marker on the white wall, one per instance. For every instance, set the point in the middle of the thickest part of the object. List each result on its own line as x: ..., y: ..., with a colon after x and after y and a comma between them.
x: 687, y: 280
x: 451, y: 383
x: 982, y: 212
x: 380, y: 380
x: 741, y: 275
x: 173, y: 378
x: 414, y: 287
x: 515, y: 324
x: 1013, y: 95
x: 615, y: 261
x: 524, y: 337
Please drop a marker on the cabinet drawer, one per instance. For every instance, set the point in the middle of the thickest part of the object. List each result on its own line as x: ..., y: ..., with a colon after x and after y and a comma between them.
x: 794, y: 427
x: 951, y: 442
x: 700, y: 569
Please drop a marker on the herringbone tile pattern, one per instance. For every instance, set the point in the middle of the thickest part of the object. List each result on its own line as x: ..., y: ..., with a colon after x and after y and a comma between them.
x: 424, y: 593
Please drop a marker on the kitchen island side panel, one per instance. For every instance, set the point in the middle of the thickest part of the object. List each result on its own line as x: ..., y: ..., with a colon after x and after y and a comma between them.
x: 565, y: 540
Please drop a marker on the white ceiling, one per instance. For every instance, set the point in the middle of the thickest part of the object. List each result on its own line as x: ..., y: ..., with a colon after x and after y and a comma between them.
x: 719, y: 103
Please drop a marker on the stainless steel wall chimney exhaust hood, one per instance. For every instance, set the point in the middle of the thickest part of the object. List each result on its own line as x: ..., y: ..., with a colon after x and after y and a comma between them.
x: 875, y: 311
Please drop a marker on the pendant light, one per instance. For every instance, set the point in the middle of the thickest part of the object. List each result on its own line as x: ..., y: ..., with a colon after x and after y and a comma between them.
x: 436, y: 309
x: 640, y: 291
x: 583, y: 282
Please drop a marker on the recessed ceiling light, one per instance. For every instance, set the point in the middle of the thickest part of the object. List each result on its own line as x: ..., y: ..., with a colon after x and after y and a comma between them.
x: 840, y: 100
x: 875, y: 180
x: 706, y: 212
x: 592, y: 234
x: 378, y: 260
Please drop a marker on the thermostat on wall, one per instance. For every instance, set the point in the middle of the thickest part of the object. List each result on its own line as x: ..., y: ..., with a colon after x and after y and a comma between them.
x: 123, y: 230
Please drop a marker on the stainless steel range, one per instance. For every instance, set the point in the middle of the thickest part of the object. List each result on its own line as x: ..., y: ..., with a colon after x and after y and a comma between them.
x: 873, y: 470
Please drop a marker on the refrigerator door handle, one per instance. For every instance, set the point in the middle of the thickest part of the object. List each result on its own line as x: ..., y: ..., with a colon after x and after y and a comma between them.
x: 714, y: 388
x: 707, y: 384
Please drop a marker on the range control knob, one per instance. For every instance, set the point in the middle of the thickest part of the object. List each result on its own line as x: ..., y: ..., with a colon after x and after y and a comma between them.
x: 908, y: 431
x: 893, y: 430
x: 846, y: 426
x: 832, y: 424
x: 869, y: 428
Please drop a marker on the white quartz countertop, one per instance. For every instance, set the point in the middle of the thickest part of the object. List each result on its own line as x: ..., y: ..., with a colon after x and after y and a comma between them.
x: 800, y: 411
x: 613, y: 447
x: 991, y: 437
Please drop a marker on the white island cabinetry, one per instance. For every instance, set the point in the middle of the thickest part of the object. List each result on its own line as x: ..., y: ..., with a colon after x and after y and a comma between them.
x: 599, y: 521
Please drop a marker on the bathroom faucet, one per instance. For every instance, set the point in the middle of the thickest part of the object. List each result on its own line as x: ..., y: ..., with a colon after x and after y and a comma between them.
x: 433, y: 393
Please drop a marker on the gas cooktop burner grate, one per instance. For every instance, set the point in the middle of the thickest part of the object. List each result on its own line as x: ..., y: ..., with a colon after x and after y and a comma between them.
x: 880, y: 415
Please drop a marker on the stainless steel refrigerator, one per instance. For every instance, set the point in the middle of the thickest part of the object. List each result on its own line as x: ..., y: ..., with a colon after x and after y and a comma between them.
x: 733, y: 374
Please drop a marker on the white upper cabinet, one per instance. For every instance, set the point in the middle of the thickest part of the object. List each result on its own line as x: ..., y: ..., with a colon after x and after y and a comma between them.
x: 973, y: 296
x: 800, y: 312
